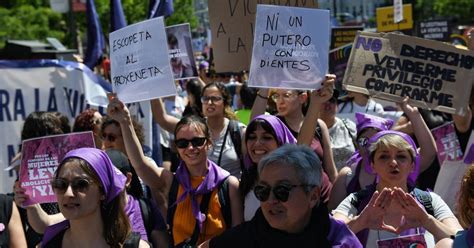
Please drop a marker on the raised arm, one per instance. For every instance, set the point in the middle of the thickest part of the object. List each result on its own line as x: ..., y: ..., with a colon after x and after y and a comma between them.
x: 166, y: 121
x: 260, y: 103
x: 423, y: 134
x: 158, y: 179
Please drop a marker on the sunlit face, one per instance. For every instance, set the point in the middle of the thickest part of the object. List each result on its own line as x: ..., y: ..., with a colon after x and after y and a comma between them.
x: 260, y: 143
x: 293, y: 215
x: 288, y: 101
x: 212, y: 108
x: 78, y: 204
x: 392, y: 165
x: 329, y: 110
x: 97, y: 120
x: 192, y: 155
x: 112, y: 138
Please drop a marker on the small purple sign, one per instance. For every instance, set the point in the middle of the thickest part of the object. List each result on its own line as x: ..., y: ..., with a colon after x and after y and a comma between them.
x: 40, y: 159
x: 447, y: 143
x: 411, y: 241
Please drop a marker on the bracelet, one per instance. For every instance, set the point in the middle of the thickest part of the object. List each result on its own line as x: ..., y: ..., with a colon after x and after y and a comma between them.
x: 266, y: 98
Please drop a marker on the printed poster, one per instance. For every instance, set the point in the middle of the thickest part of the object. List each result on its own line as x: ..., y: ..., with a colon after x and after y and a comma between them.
x: 411, y: 241
x: 447, y: 143
x: 181, y: 53
x: 140, y: 65
x: 432, y: 74
x: 291, y: 48
x: 338, y: 58
x: 40, y: 159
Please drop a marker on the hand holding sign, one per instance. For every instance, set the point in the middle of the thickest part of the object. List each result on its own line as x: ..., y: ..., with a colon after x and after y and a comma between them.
x: 325, y: 93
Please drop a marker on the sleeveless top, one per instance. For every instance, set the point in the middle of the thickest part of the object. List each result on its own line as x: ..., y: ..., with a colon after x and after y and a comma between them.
x: 184, y: 221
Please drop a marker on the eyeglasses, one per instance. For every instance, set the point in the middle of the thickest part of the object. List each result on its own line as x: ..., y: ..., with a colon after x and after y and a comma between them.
x: 78, y: 185
x: 281, y: 191
x: 196, y: 142
x: 110, y: 137
x: 285, y: 96
x: 214, y: 99
x: 362, y: 142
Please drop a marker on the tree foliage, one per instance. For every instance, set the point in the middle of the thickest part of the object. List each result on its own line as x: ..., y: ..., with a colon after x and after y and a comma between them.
x: 461, y: 9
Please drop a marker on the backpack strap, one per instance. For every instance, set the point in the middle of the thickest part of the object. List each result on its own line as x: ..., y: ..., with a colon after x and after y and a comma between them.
x: 236, y: 137
x: 424, y: 197
x: 224, y: 200
x: 145, y: 207
x: 172, y: 196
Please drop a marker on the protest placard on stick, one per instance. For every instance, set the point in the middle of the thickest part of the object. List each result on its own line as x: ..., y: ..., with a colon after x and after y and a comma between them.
x: 140, y: 62
x: 291, y: 47
x: 391, y: 66
x: 41, y: 158
x: 180, y: 47
x: 232, y: 26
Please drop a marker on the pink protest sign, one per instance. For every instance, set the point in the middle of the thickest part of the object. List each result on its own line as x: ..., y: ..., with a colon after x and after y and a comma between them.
x: 447, y: 143
x: 416, y: 240
x: 40, y: 159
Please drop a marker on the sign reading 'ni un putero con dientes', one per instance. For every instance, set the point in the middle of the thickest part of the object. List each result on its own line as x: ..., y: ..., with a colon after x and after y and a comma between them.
x: 290, y: 48
x: 140, y: 65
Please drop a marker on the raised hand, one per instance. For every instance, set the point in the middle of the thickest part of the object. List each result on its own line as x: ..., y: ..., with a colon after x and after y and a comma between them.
x: 325, y: 92
x: 20, y: 196
x: 407, y: 108
x: 372, y: 216
x: 414, y: 215
x: 117, y: 109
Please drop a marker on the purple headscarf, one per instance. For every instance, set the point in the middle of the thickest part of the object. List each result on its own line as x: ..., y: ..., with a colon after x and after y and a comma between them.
x: 112, y: 180
x: 364, y: 121
x: 283, y: 134
x: 215, y: 176
x: 414, y: 174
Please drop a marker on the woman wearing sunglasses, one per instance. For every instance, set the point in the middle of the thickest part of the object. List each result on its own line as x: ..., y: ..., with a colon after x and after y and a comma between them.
x: 196, y: 214
x: 291, y: 213
x: 216, y: 107
x: 393, y: 208
x: 90, y: 194
x: 357, y: 174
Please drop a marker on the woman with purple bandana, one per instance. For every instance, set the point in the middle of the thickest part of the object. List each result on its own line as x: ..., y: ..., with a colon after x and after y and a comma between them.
x: 197, y: 181
x: 356, y: 175
x: 90, y: 193
x: 392, y: 208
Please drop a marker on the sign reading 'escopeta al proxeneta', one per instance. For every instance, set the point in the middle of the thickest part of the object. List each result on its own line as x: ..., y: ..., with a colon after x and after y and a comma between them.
x: 290, y: 48
x: 140, y: 64
x: 433, y: 74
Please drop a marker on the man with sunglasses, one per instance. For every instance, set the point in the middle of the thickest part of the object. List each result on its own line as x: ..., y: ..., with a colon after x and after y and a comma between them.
x: 290, y: 213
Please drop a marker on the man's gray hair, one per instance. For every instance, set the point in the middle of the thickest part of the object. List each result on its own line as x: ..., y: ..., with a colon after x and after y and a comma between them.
x: 305, y: 161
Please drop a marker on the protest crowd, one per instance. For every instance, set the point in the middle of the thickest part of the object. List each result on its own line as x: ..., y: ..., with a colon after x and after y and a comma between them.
x: 269, y: 156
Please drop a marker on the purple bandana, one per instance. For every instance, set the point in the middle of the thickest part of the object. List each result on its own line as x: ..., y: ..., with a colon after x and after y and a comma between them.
x: 364, y: 121
x: 113, y: 180
x: 215, y: 176
x: 414, y: 174
x: 283, y: 134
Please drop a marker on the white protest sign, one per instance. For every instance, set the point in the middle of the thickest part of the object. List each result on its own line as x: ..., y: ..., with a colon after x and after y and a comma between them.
x: 140, y: 63
x: 397, y: 11
x: 291, y: 47
x: 181, y: 55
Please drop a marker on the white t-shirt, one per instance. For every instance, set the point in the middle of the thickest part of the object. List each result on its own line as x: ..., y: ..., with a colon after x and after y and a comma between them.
x: 348, y: 109
x: 341, y: 141
x: 251, y: 204
x: 229, y: 160
x: 441, y: 211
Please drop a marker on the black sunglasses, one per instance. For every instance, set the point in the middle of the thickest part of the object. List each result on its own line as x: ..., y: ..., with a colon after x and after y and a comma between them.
x: 78, y: 185
x: 214, y: 99
x: 196, y: 142
x: 281, y: 191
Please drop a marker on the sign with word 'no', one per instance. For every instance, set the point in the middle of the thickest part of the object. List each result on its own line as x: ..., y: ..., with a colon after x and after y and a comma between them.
x: 290, y: 48
x: 432, y: 74
x: 140, y: 62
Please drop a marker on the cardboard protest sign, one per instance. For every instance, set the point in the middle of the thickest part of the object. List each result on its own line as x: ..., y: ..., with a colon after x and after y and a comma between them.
x: 232, y: 26
x: 291, y: 47
x: 390, y: 66
x: 385, y: 19
x: 181, y: 54
x: 41, y: 158
x: 140, y: 62
x: 434, y: 30
x: 338, y: 63
x: 341, y: 36
x: 447, y: 143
